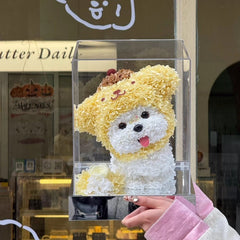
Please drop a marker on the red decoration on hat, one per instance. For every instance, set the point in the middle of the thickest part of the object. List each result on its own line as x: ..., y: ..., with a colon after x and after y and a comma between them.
x: 111, y: 71
x: 118, y: 93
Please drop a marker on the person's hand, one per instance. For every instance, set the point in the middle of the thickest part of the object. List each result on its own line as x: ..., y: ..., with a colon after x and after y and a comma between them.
x: 150, y: 210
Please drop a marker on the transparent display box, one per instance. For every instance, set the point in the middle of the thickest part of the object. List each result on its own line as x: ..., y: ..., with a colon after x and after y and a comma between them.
x: 131, y: 118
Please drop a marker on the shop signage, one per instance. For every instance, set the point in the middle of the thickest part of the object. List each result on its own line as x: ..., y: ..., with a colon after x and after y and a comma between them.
x: 92, y: 14
x: 43, y: 53
x: 36, y: 56
x: 32, y: 98
x: 18, y: 224
x: 46, y: 56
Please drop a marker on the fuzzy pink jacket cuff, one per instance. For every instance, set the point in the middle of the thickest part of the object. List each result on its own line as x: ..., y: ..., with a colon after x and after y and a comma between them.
x: 178, y: 223
x: 183, y: 220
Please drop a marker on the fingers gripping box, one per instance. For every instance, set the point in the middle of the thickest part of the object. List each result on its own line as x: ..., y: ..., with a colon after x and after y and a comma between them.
x: 131, y: 118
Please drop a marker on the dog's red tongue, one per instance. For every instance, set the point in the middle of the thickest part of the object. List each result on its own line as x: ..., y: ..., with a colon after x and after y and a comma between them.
x: 144, y: 141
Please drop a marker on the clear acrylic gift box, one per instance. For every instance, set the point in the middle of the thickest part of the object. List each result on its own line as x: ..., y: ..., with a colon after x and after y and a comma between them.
x: 131, y: 119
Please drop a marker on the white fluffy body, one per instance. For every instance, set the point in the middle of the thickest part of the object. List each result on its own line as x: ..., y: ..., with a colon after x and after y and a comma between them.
x: 153, y: 175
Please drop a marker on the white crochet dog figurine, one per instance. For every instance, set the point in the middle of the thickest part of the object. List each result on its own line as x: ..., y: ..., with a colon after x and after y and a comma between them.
x: 131, y: 114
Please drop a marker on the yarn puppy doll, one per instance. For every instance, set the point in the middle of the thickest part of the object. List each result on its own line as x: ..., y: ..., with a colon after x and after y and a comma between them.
x: 131, y: 114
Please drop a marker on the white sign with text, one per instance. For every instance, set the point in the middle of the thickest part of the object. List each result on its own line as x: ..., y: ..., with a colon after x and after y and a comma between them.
x: 32, y: 56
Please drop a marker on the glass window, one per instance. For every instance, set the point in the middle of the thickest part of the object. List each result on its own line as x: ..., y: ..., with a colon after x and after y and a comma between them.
x: 36, y: 48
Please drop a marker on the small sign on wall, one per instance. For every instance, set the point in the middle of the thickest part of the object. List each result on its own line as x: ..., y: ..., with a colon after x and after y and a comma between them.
x: 30, y: 165
x: 25, y: 165
x: 20, y: 165
x: 52, y: 166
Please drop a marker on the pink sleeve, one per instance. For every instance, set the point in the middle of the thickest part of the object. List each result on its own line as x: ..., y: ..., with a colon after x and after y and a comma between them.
x: 184, y: 221
x: 178, y: 223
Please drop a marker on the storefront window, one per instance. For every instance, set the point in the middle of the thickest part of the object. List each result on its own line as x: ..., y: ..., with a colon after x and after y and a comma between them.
x: 36, y: 48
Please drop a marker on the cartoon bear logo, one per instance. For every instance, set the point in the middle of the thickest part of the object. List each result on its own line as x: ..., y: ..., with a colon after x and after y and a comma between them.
x: 96, y: 14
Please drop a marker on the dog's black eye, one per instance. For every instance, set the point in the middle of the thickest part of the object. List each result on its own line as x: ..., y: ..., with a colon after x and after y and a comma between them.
x: 122, y: 125
x: 145, y: 114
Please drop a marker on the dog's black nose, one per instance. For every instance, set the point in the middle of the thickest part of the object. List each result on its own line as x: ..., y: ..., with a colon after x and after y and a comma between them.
x: 138, y: 128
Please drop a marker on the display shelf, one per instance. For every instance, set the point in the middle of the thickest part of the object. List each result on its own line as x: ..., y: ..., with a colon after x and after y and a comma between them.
x: 49, y: 221
x: 39, y: 198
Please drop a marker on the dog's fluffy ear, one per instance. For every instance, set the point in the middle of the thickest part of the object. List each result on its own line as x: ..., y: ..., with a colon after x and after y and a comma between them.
x: 85, y: 115
x: 163, y: 79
